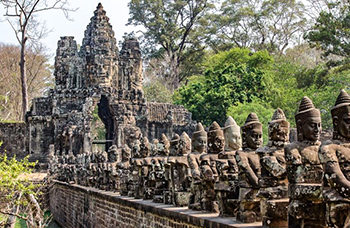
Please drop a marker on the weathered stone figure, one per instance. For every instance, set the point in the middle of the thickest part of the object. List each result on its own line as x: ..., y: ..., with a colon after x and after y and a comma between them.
x: 249, y: 170
x: 273, y: 181
x: 227, y: 186
x: 304, y: 170
x: 335, y: 158
x: 174, y: 147
x: 124, y: 170
x: 159, y: 169
x: 180, y: 172
x: 216, y: 143
x: 199, y: 147
x: 140, y: 171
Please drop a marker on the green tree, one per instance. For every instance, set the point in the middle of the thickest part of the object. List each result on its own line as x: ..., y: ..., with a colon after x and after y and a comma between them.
x: 331, y: 32
x: 22, y: 16
x: 169, y: 31
x: 19, y: 195
x: 257, y: 24
x: 39, y: 79
x: 231, y: 77
x: 263, y: 109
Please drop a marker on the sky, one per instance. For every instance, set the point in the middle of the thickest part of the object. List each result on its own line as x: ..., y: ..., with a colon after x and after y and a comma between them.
x: 116, y: 10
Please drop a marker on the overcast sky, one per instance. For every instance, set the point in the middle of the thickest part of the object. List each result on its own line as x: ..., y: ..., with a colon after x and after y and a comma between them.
x: 117, y: 11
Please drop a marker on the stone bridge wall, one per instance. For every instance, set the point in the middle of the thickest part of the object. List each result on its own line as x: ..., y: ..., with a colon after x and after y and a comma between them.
x: 74, y: 206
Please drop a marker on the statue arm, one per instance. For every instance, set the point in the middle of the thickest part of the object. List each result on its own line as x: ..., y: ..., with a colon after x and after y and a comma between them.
x: 292, y: 155
x: 271, y: 164
x: 337, y: 179
x: 332, y: 170
x: 192, y: 161
x: 243, y: 164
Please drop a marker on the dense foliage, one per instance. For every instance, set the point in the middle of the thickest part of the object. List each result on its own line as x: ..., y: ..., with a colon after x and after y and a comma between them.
x: 230, y: 77
x: 238, y: 82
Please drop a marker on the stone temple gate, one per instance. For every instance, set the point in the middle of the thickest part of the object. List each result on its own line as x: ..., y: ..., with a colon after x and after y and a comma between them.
x: 98, y: 80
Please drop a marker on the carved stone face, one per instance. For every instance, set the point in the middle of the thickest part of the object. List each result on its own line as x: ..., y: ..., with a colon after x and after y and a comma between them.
x: 311, y: 128
x: 184, y: 146
x: 200, y: 144
x: 279, y: 132
x: 254, y: 138
x: 233, y: 139
x: 343, y: 124
x: 126, y: 154
x: 216, y: 142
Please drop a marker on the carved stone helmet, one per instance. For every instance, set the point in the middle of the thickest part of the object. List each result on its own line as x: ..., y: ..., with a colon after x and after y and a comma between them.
x: 216, y: 141
x: 144, y: 147
x: 306, y: 111
x: 199, y: 131
x: 199, y: 139
x: 342, y: 103
x: 174, y: 145
x: 184, y: 144
x: 341, y: 111
x: 251, y: 124
x: 279, y: 127
x: 252, y: 121
x: 232, y: 134
x: 164, y: 143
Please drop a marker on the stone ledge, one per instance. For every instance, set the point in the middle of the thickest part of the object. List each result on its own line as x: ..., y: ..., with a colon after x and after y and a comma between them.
x: 179, y: 214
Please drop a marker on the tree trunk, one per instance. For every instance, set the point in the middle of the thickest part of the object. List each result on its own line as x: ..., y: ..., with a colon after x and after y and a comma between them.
x: 22, y: 65
x: 11, y: 220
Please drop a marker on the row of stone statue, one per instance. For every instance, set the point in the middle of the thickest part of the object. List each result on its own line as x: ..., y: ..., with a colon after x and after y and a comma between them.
x: 300, y: 184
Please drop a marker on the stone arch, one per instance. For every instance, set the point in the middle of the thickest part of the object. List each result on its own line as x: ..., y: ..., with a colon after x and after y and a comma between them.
x: 106, y: 116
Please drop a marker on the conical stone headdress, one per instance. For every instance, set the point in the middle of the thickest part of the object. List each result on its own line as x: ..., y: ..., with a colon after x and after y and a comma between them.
x: 199, y: 131
x: 341, y: 104
x: 231, y: 123
x: 279, y: 117
x: 306, y: 109
x: 251, y: 121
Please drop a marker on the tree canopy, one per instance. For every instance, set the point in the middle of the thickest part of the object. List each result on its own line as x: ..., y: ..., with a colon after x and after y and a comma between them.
x: 38, y: 79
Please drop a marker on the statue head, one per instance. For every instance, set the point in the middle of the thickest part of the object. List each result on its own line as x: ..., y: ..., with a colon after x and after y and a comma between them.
x: 154, y: 147
x: 278, y: 127
x: 232, y: 134
x: 144, y: 147
x: 308, y: 120
x: 252, y: 132
x: 163, y: 146
x: 184, y: 144
x: 341, y: 116
x: 113, y: 153
x: 136, y: 148
x: 126, y: 153
x: 199, y: 139
x: 174, y: 145
x: 216, y: 140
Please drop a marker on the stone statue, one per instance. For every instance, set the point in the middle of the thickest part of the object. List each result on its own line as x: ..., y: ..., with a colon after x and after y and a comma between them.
x: 216, y: 143
x: 149, y: 170
x: 304, y: 170
x: 180, y: 172
x: 335, y: 157
x: 249, y: 170
x: 113, y: 154
x: 124, y: 170
x: 199, y: 147
x: 174, y: 147
x: 227, y: 185
x: 160, y: 163
x: 136, y: 149
x: 273, y: 181
x: 140, y: 171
